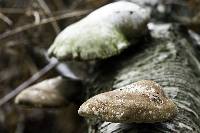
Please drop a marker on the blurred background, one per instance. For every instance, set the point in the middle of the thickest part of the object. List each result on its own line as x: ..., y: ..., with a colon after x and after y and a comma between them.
x: 28, y: 28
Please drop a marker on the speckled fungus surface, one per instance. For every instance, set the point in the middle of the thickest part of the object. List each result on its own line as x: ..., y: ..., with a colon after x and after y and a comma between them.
x: 102, y: 34
x: 141, y: 102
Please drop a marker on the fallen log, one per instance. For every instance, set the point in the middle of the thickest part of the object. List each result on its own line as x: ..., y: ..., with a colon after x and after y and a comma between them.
x: 168, y: 58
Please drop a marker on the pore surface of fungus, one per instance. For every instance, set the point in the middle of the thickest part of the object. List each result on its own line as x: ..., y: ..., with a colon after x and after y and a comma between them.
x: 142, y: 102
x: 102, y: 34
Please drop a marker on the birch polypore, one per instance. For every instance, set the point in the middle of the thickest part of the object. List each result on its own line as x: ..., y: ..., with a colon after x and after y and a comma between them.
x: 48, y: 93
x: 142, y: 102
x: 104, y: 33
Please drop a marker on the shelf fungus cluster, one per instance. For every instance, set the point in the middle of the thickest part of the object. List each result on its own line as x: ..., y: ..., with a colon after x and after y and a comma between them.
x: 103, y: 33
x: 141, y: 102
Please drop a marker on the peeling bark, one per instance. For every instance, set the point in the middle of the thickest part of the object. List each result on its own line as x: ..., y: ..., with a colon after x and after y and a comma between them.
x: 170, y: 60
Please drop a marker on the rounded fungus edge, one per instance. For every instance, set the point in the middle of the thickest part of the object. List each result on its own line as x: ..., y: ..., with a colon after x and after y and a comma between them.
x: 141, y: 102
x: 103, y: 33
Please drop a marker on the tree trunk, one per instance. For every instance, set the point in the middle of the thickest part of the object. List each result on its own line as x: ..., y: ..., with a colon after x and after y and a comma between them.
x: 167, y: 58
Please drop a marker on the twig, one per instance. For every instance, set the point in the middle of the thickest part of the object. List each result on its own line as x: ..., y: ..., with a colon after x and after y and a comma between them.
x: 75, y: 4
x: 44, y: 21
x: 31, y: 80
x: 13, y: 10
x: 47, y: 11
x: 29, y: 11
x: 6, y: 19
x: 37, y: 17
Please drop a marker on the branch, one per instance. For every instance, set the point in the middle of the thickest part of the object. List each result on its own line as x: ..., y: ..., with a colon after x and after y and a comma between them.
x: 48, y: 12
x: 44, y: 21
x: 31, y: 80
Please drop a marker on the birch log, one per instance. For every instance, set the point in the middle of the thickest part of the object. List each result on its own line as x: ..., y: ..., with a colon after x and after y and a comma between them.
x: 170, y: 60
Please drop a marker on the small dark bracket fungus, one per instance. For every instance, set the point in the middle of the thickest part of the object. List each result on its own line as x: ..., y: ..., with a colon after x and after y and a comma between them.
x: 54, y: 92
x: 141, y: 102
x: 102, y: 34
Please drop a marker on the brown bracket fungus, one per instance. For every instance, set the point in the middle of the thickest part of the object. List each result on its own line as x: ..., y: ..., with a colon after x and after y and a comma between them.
x: 141, y: 102
x: 102, y: 34
x: 52, y: 92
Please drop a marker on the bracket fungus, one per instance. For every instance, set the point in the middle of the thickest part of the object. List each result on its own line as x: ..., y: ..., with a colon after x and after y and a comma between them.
x: 141, y: 102
x: 103, y: 33
x: 54, y: 92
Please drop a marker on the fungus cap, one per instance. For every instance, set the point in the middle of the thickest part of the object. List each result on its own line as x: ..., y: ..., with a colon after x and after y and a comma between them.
x: 47, y: 93
x: 102, y: 34
x: 141, y: 102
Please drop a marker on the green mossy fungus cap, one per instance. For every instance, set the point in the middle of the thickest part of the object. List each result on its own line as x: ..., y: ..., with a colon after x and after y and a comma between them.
x: 103, y: 33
